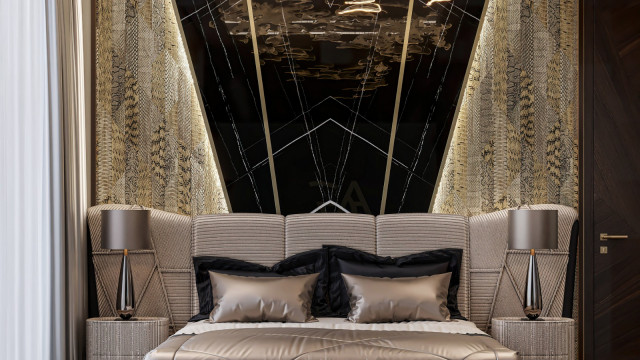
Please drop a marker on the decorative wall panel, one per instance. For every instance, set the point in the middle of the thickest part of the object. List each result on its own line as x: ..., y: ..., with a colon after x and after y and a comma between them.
x: 515, y: 140
x: 152, y: 145
x: 331, y: 72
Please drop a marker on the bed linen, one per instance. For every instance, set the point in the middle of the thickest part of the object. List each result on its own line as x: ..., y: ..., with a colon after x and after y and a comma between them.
x: 331, y: 338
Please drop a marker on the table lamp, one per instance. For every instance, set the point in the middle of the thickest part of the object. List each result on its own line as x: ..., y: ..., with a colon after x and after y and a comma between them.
x: 531, y: 229
x: 126, y: 230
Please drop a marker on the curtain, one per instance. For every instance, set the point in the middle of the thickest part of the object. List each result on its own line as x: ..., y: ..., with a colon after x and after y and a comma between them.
x: 42, y: 180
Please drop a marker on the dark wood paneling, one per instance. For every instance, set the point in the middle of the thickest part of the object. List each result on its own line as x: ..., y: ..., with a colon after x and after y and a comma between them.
x: 611, y: 169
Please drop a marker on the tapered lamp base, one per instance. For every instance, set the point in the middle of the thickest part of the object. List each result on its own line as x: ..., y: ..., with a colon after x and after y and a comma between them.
x: 532, y: 305
x: 125, y: 301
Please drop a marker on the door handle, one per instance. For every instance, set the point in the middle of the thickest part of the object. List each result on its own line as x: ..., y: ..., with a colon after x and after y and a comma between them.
x: 605, y: 237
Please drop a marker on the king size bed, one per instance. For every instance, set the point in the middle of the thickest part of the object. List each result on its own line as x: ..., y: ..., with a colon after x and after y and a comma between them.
x: 332, y: 339
x: 347, y: 257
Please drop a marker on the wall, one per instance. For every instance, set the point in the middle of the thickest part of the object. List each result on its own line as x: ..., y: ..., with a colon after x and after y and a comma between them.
x: 351, y: 107
x: 515, y: 140
x: 152, y: 147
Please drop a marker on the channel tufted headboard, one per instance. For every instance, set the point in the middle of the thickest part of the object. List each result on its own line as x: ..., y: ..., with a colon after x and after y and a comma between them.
x: 492, y: 278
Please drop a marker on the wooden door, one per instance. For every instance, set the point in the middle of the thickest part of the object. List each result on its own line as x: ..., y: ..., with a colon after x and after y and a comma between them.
x: 611, y: 178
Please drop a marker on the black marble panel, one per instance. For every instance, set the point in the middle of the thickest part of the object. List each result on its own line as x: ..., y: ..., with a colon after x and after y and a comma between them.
x: 219, y: 43
x: 330, y: 84
x: 330, y: 72
x: 433, y: 82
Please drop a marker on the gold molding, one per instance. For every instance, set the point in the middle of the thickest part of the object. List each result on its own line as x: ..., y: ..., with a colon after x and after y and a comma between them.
x: 263, y: 104
x: 396, y: 108
x: 202, y: 110
x: 463, y: 92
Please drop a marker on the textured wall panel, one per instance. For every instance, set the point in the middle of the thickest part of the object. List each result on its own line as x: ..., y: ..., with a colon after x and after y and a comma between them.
x: 152, y: 147
x: 516, y: 136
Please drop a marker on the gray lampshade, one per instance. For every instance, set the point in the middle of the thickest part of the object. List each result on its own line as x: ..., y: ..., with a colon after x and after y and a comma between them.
x: 533, y: 229
x: 126, y: 229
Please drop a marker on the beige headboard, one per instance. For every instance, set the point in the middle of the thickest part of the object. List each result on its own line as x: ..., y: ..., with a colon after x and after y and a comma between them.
x: 164, y: 282
x: 162, y: 277
x: 498, y: 275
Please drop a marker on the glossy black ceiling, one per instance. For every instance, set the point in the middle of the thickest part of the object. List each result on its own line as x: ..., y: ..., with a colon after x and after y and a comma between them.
x: 330, y: 71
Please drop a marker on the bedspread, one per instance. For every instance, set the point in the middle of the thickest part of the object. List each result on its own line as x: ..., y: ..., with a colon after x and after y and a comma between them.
x: 318, y: 343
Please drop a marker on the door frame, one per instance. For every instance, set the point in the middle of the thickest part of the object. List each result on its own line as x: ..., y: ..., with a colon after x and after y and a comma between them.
x: 585, y: 177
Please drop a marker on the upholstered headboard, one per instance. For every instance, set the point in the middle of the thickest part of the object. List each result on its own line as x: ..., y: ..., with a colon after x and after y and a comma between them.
x: 498, y: 274
x: 492, y: 278
x: 267, y: 239
x: 162, y: 276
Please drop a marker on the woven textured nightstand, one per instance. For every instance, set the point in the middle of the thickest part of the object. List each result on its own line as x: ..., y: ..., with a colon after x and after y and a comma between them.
x: 110, y: 339
x: 552, y: 338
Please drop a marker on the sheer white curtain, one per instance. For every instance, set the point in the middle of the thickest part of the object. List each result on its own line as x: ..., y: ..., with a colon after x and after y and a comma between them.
x: 42, y: 180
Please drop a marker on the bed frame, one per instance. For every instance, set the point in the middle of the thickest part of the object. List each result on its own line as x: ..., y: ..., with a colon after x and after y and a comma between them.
x: 492, y: 277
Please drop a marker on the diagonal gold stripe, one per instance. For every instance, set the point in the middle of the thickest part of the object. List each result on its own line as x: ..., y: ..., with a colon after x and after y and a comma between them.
x: 452, y: 129
x: 396, y: 108
x: 263, y: 104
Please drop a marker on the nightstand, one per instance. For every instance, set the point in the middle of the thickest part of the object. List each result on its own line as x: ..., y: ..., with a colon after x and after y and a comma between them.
x: 550, y: 338
x: 109, y: 338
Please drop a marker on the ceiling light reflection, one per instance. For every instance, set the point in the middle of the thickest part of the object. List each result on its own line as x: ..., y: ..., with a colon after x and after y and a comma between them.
x: 360, y: 6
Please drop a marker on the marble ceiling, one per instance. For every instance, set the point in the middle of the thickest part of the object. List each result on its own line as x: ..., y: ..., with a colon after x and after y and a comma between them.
x: 316, y: 122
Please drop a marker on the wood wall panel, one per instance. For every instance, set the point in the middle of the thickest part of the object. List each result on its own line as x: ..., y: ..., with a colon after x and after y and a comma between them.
x: 610, y: 149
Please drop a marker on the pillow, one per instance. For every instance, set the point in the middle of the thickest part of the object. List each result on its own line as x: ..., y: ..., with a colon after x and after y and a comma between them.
x: 256, y: 299
x: 355, y: 262
x: 376, y: 299
x: 308, y: 262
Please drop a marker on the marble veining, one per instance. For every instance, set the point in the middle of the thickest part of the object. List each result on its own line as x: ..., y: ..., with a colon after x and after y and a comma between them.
x: 330, y: 72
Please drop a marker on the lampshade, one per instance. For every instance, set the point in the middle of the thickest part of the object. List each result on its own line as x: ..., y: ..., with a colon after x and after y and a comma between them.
x: 533, y: 229
x: 126, y: 229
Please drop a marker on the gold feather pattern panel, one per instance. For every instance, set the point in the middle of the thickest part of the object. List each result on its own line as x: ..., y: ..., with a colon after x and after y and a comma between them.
x: 152, y: 148
x: 499, y: 164
x: 132, y: 136
x: 516, y: 139
x: 527, y: 136
x: 103, y: 99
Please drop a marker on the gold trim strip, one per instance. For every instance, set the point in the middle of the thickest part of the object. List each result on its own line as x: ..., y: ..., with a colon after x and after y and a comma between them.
x: 202, y: 110
x: 263, y: 104
x: 476, y: 41
x: 396, y: 108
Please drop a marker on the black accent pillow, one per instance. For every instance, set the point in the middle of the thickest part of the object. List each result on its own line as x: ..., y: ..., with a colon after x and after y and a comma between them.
x: 355, y: 262
x: 308, y: 262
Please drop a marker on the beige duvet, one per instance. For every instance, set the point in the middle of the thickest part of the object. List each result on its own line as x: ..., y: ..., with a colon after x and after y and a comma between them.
x: 323, y: 343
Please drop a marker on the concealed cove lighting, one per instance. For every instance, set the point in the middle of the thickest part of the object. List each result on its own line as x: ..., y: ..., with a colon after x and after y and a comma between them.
x: 360, y: 6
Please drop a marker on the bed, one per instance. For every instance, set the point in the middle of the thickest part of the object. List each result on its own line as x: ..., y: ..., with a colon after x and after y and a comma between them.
x: 267, y: 239
x: 331, y: 338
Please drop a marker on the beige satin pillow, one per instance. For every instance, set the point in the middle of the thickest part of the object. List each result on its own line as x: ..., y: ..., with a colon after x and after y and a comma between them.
x: 375, y: 299
x: 258, y: 299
